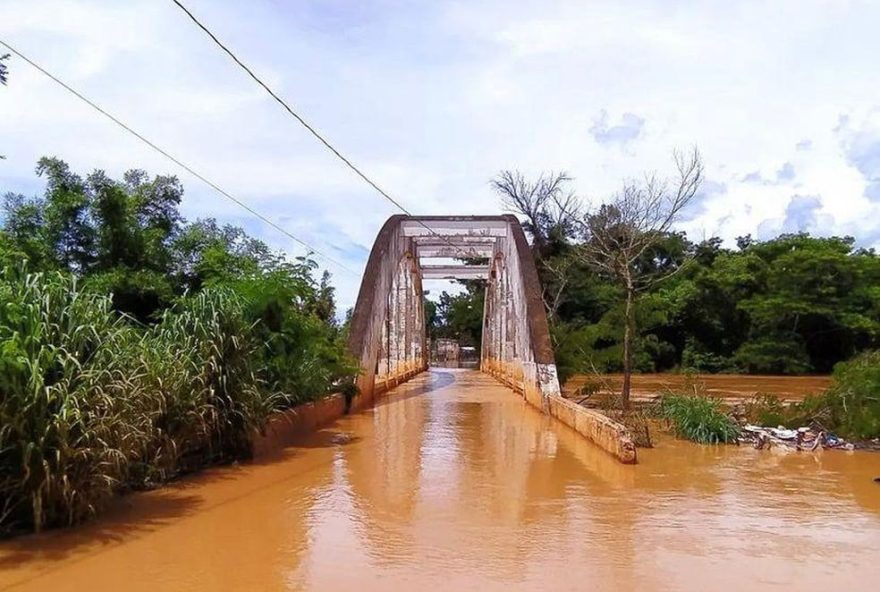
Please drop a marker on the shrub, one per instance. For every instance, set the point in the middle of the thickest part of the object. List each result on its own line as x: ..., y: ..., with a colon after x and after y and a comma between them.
x: 698, y: 418
x: 851, y: 406
x: 302, y: 356
x: 71, y: 417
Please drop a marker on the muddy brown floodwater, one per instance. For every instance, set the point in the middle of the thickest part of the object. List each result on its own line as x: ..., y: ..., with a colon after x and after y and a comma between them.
x: 732, y: 388
x: 453, y: 483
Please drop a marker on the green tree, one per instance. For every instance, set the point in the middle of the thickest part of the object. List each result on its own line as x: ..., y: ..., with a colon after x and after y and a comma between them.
x: 68, y: 228
x: 24, y: 225
x: 816, y: 304
x: 460, y: 316
x: 206, y: 253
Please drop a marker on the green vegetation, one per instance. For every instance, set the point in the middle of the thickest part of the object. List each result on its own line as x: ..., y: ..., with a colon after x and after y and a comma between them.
x: 766, y: 410
x: 458, y: 316
x: 794, y: 304
x: 854, y: 399
x: 623, y: 291
x: 135, y: 346
x: 849, y: 408
x: 699, y: 418
x: 791, y: 305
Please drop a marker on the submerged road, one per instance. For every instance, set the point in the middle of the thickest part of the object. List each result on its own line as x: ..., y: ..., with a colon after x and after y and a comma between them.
x: 453, y: 483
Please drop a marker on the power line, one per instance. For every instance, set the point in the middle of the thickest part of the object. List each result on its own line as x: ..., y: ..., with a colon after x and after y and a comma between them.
x: 185, y: 167
x: 287, y: 108
x: 306, y: 125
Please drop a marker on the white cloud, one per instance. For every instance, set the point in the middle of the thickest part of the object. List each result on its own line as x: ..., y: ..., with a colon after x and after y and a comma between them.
x: 433, y: 99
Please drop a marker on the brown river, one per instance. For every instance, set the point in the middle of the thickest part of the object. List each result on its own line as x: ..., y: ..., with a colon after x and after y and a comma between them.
x: 731, y: 388
x: 453, y: 483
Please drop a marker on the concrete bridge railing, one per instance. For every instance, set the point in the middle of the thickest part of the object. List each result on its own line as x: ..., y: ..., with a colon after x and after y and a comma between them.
x: 388, y: 324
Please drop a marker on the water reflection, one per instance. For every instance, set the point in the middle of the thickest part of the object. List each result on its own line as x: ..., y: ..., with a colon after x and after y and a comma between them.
x: 453, y: 482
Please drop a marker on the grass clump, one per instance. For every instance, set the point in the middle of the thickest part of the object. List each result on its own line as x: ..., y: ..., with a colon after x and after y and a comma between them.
x: 199, y: 363
x: 71, y: 416
x: 92, y: 403
x: 766, y: 409
x: 698, y: 418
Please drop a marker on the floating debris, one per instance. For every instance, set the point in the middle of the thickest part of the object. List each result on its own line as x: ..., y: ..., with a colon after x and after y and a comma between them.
x: 803, y: 438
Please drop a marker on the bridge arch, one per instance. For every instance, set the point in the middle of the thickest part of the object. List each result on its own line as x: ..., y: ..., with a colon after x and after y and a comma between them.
x: 388, y: 325
x: 388, y: 336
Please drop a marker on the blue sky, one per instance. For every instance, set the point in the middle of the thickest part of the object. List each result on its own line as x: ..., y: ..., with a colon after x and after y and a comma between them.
x: 433, y: 98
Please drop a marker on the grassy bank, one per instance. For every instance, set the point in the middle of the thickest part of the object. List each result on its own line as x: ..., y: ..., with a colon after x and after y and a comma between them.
x: 850, y: 407
x: 92, y: 404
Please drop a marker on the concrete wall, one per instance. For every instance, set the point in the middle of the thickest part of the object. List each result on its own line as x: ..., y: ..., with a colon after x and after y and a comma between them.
x: 285, y: 427
x: 388, y: 324
x: 516, y: 339
x: 603, y: 431
x: 517, y: 348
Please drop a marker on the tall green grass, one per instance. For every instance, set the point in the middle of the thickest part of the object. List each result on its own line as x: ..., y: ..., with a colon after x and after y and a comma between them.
x: 71, y: 418
x: 91, y: 404
x: 698, y: 418
x: 198, y: 364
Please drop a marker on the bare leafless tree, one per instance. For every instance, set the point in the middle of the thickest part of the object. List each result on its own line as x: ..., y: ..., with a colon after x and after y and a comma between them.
x: 3, y: 71
x: 3, y: 78
x: 558, y: 271
x: 547, y: 204
x: 620, y: 233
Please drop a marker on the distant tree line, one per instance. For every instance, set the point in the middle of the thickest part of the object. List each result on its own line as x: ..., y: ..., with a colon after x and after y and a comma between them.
x: 795, y: 304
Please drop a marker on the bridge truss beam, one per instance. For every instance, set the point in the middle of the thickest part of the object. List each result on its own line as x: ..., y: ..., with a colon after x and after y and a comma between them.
x: 388, y: 337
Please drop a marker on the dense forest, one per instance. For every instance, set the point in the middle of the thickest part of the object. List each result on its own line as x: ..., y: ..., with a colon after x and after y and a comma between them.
x: 135, y: 345
x: 795, y: 304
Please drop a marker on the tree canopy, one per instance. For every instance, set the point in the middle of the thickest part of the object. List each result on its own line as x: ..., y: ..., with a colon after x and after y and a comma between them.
x: 126, y: 238
x: 793, y: 304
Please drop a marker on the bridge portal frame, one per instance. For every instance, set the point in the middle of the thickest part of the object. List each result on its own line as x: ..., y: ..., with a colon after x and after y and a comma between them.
x: 514, y: 315
x: 387, y: 333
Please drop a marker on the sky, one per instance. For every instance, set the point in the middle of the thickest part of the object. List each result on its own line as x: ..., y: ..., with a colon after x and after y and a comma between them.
x: 431, y: 99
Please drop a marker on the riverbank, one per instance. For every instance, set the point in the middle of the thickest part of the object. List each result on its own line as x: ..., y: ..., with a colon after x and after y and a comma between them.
x: 836, y: 412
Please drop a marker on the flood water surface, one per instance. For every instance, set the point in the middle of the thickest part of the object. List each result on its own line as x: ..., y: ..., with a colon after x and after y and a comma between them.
x: 453, y: 483
x: 732, y: 388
